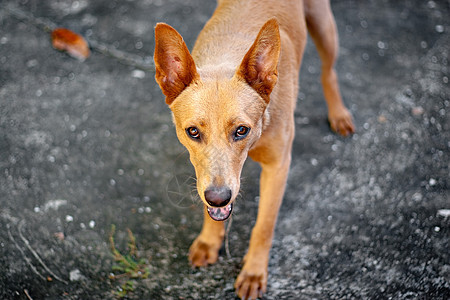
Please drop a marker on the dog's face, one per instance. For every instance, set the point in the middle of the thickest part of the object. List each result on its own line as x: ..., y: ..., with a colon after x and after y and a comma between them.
x: 218, y: 117
x: 218, y: 121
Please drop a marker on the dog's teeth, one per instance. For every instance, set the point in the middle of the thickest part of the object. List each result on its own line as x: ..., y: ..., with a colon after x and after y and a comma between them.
x: 221, y: 213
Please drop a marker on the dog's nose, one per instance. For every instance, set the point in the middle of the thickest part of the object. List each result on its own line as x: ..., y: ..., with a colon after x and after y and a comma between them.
x: 217, y: 196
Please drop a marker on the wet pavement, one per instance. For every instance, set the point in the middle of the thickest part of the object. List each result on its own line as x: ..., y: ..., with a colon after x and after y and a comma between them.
x: 88, y: 145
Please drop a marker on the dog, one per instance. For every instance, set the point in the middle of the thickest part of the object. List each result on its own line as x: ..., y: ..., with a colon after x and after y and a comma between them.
x: 235, y: 97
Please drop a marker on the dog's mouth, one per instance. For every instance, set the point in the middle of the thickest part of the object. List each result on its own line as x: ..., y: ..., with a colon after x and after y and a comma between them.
x: 220, y: 213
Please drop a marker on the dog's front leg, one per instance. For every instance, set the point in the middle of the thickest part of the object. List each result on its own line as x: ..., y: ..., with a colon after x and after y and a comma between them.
x: 205, y: 248
x: 252, y: 280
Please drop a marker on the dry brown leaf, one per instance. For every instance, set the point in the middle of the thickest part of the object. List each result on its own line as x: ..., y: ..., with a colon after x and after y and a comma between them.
x: 74, y: 44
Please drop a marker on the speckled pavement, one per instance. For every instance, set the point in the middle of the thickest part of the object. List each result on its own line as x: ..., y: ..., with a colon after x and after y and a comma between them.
x: 87, y: 145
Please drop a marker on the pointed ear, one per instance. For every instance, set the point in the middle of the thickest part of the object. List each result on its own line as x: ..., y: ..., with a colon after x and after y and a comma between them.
x: 259, y: 66
x: 175, y: 67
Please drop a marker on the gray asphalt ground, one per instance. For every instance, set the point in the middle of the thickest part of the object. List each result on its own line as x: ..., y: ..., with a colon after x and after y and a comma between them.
x: 87, y: 145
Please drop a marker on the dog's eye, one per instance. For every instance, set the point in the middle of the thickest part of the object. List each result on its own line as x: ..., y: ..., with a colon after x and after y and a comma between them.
x: 241, y: 132
x: 193, y: 132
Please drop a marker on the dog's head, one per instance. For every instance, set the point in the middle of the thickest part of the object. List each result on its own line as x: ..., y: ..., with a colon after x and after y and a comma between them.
x: 218, y: 115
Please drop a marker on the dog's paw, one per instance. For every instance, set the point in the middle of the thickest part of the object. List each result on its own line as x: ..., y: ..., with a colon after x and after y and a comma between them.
x: 203, y: 252
x: 252, y: 281
x: 341, y: 121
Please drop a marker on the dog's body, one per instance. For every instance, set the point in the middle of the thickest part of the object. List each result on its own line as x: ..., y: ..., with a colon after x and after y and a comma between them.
x: 235, y: 97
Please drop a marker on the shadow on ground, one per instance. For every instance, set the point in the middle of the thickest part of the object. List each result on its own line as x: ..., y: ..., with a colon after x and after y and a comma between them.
x: 85, y: 145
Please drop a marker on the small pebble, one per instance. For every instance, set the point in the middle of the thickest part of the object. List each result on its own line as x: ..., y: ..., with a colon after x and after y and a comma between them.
x: 431, y: 4
x: 59, y: 235
x: 75, y: 275
x: 439, y: 28
x: 381, y: 45
x: 92, y: 224
x: 417, y: 197
x: 417, y: 111
x: 32, y: 63
x: 138, y: 74
x: 444, y: 213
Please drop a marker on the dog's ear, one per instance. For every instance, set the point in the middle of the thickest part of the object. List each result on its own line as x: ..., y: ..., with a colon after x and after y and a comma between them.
x: 175, y: 67
x: 259, y: 66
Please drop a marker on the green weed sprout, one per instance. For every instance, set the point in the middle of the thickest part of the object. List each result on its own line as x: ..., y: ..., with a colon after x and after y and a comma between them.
x: 127, y: 266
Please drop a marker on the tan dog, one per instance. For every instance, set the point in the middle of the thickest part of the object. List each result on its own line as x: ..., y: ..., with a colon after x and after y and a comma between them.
x: 235, y: 97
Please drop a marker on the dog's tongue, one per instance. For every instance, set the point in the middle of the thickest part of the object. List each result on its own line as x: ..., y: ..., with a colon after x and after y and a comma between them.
x: 220, y: 213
